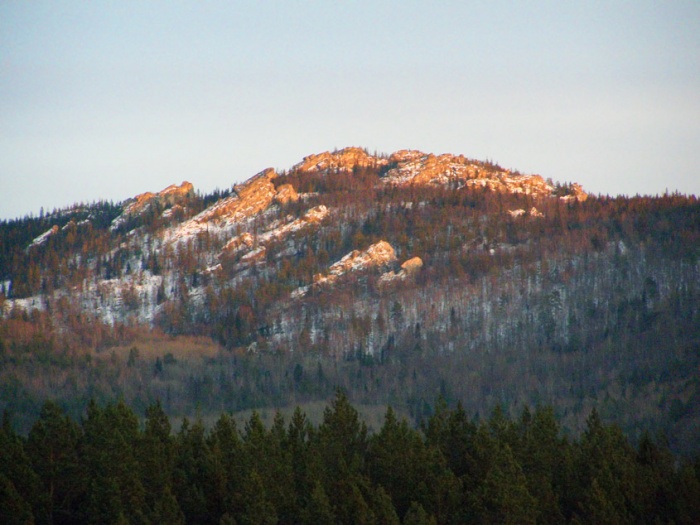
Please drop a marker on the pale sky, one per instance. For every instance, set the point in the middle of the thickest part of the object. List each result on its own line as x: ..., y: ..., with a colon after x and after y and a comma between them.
x: 105, y: 100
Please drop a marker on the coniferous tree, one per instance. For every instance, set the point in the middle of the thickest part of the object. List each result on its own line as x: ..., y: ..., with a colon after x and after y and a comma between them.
x: 157, y: 461
x: 504, y: 495
x: 606, y: 463
x: 397, y: 460
x: 257, y: 507
x: 416, y: 515
x: 110, y: 444
x: 341, y: 439
x: 318, y: 508
x: 52, y: 447
x: 226, y: 467
x: 190, y: 471
x: 19, y: 485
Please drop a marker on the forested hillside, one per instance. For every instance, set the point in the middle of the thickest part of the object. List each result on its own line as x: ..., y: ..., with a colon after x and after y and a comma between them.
x: 398, y: 277
x: 110, y: 467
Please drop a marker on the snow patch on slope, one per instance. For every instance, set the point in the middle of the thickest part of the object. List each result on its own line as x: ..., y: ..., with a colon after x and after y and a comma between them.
x: 43, y: 237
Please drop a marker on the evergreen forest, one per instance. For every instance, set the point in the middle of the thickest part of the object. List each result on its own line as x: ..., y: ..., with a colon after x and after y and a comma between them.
x: 113, y: 467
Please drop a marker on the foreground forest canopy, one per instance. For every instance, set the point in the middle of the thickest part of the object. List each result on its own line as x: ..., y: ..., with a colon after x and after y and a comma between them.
x: 112, y: 468
x: 399, y: 278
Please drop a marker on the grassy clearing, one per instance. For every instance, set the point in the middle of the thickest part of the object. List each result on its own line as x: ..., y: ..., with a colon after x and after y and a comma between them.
x: 151, y: 345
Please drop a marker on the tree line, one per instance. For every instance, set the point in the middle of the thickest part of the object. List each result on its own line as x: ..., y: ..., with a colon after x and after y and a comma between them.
x: 112, y: 467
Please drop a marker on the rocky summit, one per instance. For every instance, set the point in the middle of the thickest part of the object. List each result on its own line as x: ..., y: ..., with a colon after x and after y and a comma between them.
x: 271, y: 221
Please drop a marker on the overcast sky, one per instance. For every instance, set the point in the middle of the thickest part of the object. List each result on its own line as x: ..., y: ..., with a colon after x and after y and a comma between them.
x: 105, y: 100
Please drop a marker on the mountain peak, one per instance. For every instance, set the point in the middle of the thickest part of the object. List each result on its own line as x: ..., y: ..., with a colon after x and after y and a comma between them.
x: 345, y: 159
x: 167, y: 197
x: 414, y: 167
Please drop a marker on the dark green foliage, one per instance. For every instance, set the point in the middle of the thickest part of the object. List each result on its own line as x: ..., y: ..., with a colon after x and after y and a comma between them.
x: 319, y: 509
x: 416, y: 515
x: 14, y: 508
x: 20, y: 486
x: 504, y: 496
x: 109, y: 468
x: 52, y: 447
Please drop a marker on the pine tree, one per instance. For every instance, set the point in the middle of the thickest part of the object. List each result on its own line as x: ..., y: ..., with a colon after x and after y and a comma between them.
x: 19, y: 484
x: 190, y: 471
x: 318, y: 510
x: 397, y: 460
x: 226, y: 467
x: 416, y: 515
x: 383, y: 508
x: 342, y: 439
x: 157, y: 462
x: 14, y: 509
x: 257, y: 509
x: 52, y: 447
x: 110, y: 443
x: 504, y: 495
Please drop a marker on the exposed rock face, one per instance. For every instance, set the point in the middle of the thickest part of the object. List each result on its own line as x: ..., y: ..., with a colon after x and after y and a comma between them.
x: 534, y: 212
x: 412, y: 266
x: 408, y: 269
x: 248, y: 199
x: 412, y: 167
x: 286, y: 193
x: 173, y: 194
x: 170, y: 196
x: 43, y: 237
x: 377, y: 255
x: 244, y: 240
x: 255, y: 256
x: 344, y: 160
x: 576, y: 193
x: 415, y: 167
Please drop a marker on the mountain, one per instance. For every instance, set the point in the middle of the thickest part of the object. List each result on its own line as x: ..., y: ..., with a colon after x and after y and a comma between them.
x: 399, y: 277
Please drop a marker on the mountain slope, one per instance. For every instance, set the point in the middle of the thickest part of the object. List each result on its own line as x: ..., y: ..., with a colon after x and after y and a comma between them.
x: 399, y: 277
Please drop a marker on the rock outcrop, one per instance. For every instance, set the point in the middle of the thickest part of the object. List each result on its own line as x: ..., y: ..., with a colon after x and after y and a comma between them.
x: 248, y: 199
x: 412, y: 266
x: 413, y: 167
x: 534, y: 212
x: 286, y: 193
x: 170, y: 196
x: 410, y: 167
x: 377, y: 255
x: 343, y: 160
x: 239, y: 242
x: 576, y: 192
x: 408, y: 269
x: 43, y: 237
